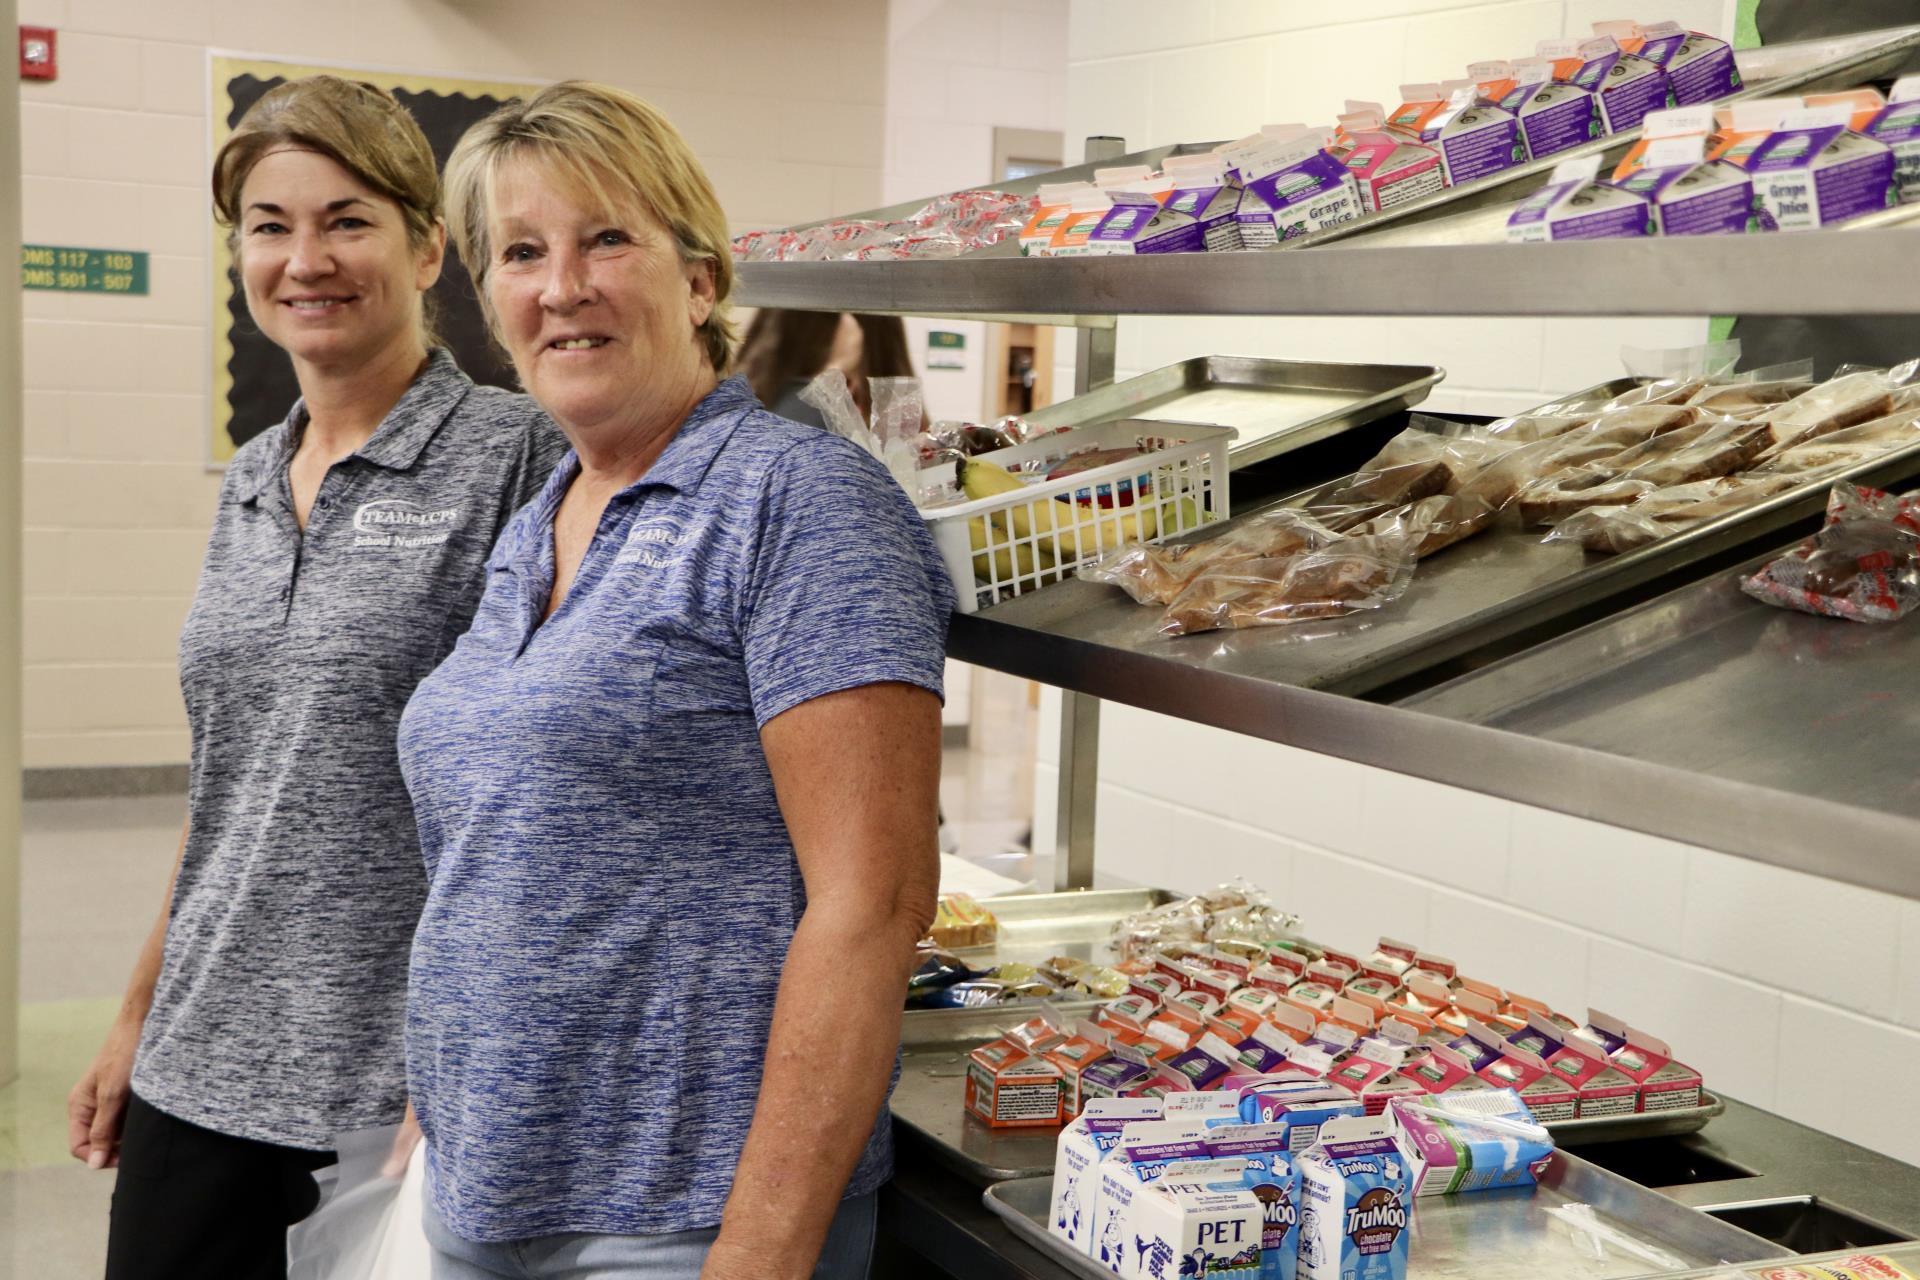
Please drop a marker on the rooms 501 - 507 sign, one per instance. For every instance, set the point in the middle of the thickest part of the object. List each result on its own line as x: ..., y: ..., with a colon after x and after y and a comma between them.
x: 45, y: 266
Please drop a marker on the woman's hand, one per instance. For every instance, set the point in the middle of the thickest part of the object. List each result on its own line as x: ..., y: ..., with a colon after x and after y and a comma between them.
x: 403, y: 1144
x: 97, y: 1106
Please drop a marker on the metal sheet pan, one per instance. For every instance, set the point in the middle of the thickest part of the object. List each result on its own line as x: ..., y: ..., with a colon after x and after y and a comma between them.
x: 1483, y: 591
x: 1278, y: 405
x: 1494, y: 1235
x: 1034, y: 926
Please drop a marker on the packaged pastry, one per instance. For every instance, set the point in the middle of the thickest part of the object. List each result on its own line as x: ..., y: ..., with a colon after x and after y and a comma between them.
x: 959, y: 921
x: 1356, y: 573
x: 1864, y: 565
x: 1157, y: 575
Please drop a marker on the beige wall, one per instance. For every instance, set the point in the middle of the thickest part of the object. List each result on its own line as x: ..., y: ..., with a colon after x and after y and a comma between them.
x: 784, y: 102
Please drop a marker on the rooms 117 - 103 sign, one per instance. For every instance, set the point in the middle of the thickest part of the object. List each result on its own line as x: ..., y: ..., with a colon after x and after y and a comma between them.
x: 69, y: 270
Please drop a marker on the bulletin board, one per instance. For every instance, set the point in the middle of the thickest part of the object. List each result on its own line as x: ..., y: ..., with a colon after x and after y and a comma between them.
x: 253, y: 382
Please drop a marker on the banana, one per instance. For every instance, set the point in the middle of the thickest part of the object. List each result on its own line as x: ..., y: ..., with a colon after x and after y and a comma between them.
x: 1059, y: 531
x: 1001, y: 565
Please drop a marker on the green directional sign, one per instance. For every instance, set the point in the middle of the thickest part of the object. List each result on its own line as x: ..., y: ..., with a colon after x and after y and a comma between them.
x: 69, y: 270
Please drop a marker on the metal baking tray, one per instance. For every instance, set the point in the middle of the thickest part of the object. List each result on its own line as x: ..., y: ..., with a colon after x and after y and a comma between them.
x: 1278, y: 405
x: 1484, y: 591
x: 1077, y: 922
x: 1476, y: 212
x: 1493, y: 1235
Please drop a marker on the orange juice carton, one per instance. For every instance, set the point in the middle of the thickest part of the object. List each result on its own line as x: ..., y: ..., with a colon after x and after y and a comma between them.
x: 1292, y: 189
x: 1665, y: 1085
x: 1056, y: 202
x: 1168, y: 1037
x: 1205, y: 1222
x: 1419, y: 104
x: 1392, y: 171
x: 1351, y: 1014
x: 1521, y: 1007
x: 1356, y: 1199
x: 1258, y: 1000
x: 1862, y: 104
x: 1082, y: 1146
x: 1234, y: 1025
x: 1540, y: 1037
x: 1481, y: 1143
x: 1421, y: 996
x: 1626, y: 33
x: 1193, y: 1007
x: 1293, y: 1022
x: 1039, y: 1033
x: 1156, y: 987
x: 1898, y: 126
x: 1434, y: 968
x: 1563, y: 56
x: 1492, y: 81
x: 1552, y: 114
x: 1700, y: 68
x: 1010, y: 1088
x: 1314, y: 997
x: 1086, y: 1046
x: 1628, y: 87
x: 1691, y: 197
x: 1128, y: 1013
x: 1453, y: 1020
x: 1741, y: 128
x: 1546, y: 1095
x: 1574, y: 205
x: 1676, y: 122
x: 1218, y: 983
x: 1118, y: 1075
x: 1373, y: 992
x: 1815, y: 172
x: 1390, y: 960
x: 1265, y: 1049
x: 1147, y: 1151
x: 1084, y: 212
x: 1603, y: 1090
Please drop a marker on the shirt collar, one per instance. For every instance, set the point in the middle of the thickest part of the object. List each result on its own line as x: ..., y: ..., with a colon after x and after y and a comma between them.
x: 706, y: 430
x: 397, y: 442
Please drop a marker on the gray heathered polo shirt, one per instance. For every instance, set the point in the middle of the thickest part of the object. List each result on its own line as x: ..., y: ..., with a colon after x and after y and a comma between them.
x: 279, y: 1009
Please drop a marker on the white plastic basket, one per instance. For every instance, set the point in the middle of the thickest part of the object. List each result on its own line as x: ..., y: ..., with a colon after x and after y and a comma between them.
x: 999, y: 547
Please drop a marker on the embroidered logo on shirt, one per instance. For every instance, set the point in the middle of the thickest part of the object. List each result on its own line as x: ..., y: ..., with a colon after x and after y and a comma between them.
x: 650, y: 546
x: 395, y: 522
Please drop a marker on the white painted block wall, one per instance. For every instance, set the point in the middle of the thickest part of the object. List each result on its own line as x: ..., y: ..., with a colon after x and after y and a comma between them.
x: 1771, y: 983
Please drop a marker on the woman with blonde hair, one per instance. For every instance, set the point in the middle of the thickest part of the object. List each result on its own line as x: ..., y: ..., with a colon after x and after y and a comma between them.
x: 676, y: 787
x: 348, y: 551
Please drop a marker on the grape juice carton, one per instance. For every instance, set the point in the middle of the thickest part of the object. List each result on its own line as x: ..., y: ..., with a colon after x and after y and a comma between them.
x: 1010, y: 1087
x: 1117, y: 1075
x: 1665, y: 1085
x: 1659, y: 41
x: 1479, y: 141
x: 1898, y: 126
x: 1743, y: 127
x: 1293, y: 189
x: 1204, y: 1221
x: 1356, y: 1199
x: 1137, y: 224
x: 1392, y: 171
x: 1553, y: 117
x: 1575, y: 206
x: 1691, y: 197
x: 1628, y: 88
x: 1082, y: 1146
x: 1814, y: 172
x: 1699, y: 68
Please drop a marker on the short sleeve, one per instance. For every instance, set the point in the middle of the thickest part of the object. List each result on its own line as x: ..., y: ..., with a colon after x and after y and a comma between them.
x: 843, y: 584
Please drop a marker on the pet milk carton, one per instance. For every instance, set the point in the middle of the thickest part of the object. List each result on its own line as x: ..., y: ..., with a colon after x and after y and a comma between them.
x: 1815, y: 172
x: 1552, y: 116
x: 1202, y: 1222
x: 1147, y: 1149
x: 1628, y: 88
x: 1575, y: 206
x: 1356, y: 1203
x: 1076, y: 1165
x: 1898, y: 126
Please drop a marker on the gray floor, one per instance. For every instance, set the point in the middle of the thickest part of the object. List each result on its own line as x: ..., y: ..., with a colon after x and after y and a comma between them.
x: 93, y: 872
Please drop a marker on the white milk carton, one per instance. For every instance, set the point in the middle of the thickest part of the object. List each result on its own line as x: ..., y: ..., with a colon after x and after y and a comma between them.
x: 1147, y: 1150
x: 1898, y: 125
x: 1083, y: 1144
x: 1814, y: 171
x: 1205, y: 1222
x: 1356, y: 1203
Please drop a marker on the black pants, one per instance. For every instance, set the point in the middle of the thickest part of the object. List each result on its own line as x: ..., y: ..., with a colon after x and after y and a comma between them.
x: 191, y: 1203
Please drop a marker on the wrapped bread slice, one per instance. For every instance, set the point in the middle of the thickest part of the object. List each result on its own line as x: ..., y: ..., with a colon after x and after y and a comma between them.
x: 1665, y: 391
x: 1350, y: 575
x: 1722, y: 449
x: 1843, y: 402
x: 1901, y: 427
x: 1655, y: 515
x: 1526, y: 428
x: 1155, y: 575
x: 1435, y: 523
x: 1557, y: 498
x: 1742, y: 399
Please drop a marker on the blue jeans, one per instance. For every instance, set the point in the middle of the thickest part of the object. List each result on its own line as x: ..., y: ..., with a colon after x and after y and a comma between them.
x: 676, y: 1256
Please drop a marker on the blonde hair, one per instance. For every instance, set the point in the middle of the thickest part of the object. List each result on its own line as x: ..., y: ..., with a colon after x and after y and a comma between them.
x: 614, y: 151
x: 362, y: 129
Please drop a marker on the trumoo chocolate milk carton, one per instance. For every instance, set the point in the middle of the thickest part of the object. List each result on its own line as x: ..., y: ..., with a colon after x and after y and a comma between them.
x: 1082, y: 1146
x: 1553, y: 116
x: 1814, y: 172
x: 1898, y: 126
x: 1628, y: 88
x: 1574, y: 206
x: 1356, y: 1198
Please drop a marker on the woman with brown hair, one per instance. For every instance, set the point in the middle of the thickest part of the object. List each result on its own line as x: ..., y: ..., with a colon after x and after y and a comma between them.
x: 785, y: 350
x: 264, y: 1016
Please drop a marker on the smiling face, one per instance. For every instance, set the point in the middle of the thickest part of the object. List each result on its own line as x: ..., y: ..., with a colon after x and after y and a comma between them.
x: 328, y: 272
x: 597, y: 308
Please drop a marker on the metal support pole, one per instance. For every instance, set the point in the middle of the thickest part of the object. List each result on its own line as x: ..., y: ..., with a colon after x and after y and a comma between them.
x: 1079, y: 712
x: 11, y: 441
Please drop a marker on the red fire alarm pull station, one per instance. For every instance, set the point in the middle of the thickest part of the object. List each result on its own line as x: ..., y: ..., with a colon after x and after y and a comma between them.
x: 37, y: 54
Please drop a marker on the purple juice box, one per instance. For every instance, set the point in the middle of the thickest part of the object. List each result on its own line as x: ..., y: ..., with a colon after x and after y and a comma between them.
x: 1815, y: 172
x: 1553, y: 117
x: 1898, y: 126
x: 1479, y: 141
x: 1627, y: 88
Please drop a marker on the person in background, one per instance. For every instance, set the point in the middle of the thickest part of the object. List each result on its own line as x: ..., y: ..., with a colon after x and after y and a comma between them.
x: 676, y: 786
x: 264, y: 1016
x: 784, y: 350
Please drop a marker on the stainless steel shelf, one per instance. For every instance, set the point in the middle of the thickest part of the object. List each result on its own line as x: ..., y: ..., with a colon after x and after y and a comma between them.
x: 1819, y: 273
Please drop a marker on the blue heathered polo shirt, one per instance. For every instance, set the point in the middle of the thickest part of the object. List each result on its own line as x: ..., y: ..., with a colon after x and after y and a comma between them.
x: 612, y: 889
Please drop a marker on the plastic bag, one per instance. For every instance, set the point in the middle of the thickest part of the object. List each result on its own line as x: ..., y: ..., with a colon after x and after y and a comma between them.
x: 830, y: 394
x: 1864, y: 565
x: 1156, y: 575
x: 368, y: 1225
x: 1844, y: 401
x: 1418, y: 463
x: 1345, y: 577
x: 1435, y: 523
x: 1847, y: 445
x: 899, y: 413
x: 1612, y: 530
x: 1709, y: 362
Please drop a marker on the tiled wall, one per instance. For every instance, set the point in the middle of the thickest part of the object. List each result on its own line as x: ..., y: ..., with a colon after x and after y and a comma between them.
x: 1762, y: 978
x: 785, y: 104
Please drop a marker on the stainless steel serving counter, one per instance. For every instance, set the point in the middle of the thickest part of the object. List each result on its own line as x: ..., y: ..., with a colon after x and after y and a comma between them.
x: 1807, y: 1190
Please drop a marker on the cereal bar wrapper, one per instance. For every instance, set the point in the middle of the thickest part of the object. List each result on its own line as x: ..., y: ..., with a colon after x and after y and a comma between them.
x: 1864, y: 565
